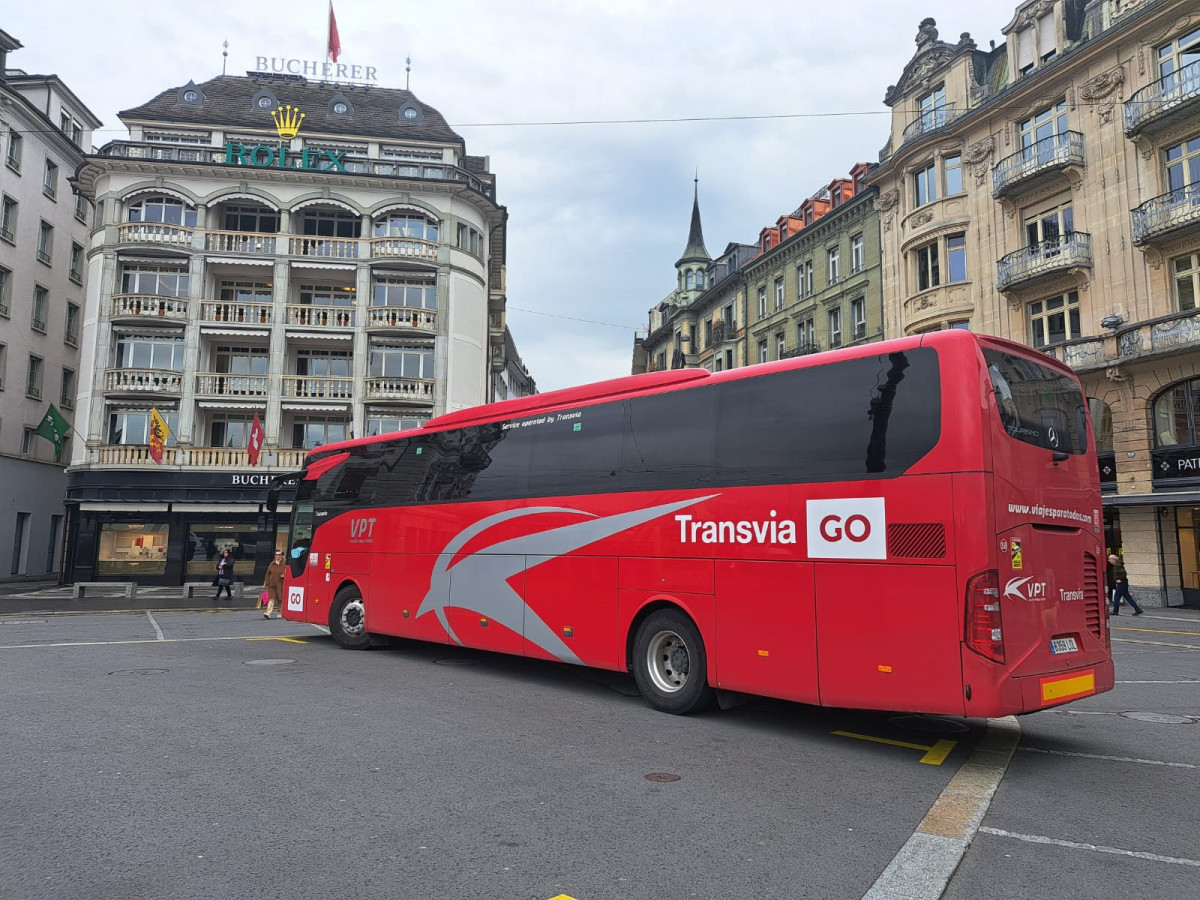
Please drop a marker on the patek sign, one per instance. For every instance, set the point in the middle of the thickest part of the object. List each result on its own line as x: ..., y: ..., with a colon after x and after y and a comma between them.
x: 288, y: 120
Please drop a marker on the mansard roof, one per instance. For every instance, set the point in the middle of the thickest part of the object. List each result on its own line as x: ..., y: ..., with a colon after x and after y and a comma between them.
x: 932, y: 59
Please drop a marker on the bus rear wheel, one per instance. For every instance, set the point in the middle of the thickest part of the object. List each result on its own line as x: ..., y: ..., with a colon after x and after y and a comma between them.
x: 669, y: 663
x: 348, y: 620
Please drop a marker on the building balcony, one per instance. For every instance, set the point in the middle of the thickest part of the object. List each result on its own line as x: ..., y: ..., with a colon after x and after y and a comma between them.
x: 155, y: 233
x: 803, y: 350
x: 400, y: 390
x: 1164, y: 102
x: 1170, y: 335
x: 224, y: 384
x: 323, y: 247
x: 143, y: 381
x: 929, y: 122
x: 142, y: 307
x: 403, y: 248
x: 1170, y: 215
x: 1029, y: 265
x: 401, y: 318
x: 303, y: 315
x: 318, y: 387
x: 234, y: 313
x: 1036, y: 164
x: 199, y: 457
x: 250, y: 243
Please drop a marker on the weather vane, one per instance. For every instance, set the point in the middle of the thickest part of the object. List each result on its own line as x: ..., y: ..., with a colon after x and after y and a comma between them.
x: 224, y: 55
x: 407, y: 69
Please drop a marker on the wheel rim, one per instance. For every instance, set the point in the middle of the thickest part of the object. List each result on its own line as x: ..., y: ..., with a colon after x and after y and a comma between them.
x: 353, y: 618
x: 668, y: 661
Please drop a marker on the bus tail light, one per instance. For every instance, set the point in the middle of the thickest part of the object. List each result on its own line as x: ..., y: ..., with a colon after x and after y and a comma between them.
x: 985, y: 634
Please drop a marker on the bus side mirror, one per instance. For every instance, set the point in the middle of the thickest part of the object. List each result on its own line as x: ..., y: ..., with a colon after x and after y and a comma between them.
x: 272, y: 500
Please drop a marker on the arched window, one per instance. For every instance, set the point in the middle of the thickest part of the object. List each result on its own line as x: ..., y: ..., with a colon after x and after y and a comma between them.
x: 1102, y: 424
x: 406, y: 224
x: 690, y: 280
x: 1175, y: 414
x: 700, y: 279
x: 167, y: 210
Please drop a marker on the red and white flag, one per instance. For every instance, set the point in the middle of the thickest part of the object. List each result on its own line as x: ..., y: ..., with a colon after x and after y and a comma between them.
x: 335, y: 42
x: 257, y: 436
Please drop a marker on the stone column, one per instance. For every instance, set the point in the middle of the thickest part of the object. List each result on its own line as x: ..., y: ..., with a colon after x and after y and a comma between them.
x: 361, y: 351
x: 189, y: 432
x: 1140, y: 528
x: 277, y: 354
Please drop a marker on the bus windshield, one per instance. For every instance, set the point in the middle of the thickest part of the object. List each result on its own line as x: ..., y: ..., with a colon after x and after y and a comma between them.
x: 1037, y: 405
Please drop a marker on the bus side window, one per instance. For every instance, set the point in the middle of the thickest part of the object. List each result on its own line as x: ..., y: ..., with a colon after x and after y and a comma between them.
x: 669, y: 441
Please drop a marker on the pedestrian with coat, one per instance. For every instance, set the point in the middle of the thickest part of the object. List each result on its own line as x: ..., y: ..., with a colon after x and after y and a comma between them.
x: 1120, y: 591
x: 273, y: 584
x: 224, y: 576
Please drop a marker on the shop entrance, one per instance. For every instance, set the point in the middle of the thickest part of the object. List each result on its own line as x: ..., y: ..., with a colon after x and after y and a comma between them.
x: 1187, y: 527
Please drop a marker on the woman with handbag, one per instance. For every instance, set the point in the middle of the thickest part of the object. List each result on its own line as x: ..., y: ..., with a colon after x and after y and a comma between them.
x: 224, y: 577
x: 273, y: 584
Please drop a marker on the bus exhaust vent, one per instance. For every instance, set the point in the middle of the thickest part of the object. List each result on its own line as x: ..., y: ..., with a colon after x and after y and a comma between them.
x: 916, y: 541
x: 1093, y: 608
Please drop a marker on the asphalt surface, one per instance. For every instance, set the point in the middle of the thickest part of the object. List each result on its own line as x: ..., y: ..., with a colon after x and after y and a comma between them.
x: 179, y: 754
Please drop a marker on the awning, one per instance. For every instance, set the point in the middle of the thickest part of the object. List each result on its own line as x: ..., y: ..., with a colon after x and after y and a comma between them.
x: 307, y: 407
x: 346, y: 266
x: 117, y: 506
x: 240, y: 260
x: 235, y: 332
x: 1164, y: 498
x: 220, y: 404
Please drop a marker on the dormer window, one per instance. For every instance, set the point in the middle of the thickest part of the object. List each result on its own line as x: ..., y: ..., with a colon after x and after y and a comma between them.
x: 1037, y: 44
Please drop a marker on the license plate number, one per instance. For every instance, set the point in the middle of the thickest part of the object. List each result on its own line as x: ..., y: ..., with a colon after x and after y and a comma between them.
x: 1063, y: 645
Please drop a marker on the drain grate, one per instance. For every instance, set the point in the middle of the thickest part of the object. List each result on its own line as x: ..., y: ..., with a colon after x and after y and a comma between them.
x: 139, y: 672
x: 662, y: 777
x: 268, y: 662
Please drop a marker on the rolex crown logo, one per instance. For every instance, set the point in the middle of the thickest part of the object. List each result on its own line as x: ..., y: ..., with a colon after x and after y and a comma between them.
x: 287, y: 121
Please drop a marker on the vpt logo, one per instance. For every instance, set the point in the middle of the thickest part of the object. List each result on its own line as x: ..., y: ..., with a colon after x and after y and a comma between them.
x: 295, y: 599
x: 362, y: 530
x: 847, y: 529
x: 1028, y: 589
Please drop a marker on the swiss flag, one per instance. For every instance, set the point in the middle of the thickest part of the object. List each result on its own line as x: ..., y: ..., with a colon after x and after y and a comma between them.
x: 257, y: 436
x: 335, y: 42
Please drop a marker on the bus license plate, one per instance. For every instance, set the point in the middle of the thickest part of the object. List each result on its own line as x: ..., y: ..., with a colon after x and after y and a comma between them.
x: 1063, y: 645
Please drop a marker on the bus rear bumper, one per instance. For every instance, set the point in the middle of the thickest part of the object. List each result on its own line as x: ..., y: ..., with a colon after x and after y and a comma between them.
x: 995, y: 693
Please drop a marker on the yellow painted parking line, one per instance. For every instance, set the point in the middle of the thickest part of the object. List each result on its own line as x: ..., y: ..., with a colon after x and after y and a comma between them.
x: 1155, y: 643
x: 142, y: 641
x: 562, y: 897
x: 1153, y: 630
x: 288, y: 639
x: 934, y: 756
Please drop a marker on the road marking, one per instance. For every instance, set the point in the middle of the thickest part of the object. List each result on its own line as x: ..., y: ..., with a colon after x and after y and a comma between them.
x: 1129, y: 759
x: 1155, y: 618
x: 22, y: 621
x: 157, y: 630
x: 924, y: 865
x: 1153, y: 630
x: 324, y: 630
x: 288, y: 639
x: 1155, y: 643
x: 1181, y: 681
x: 1074, y: 845
x: 934, y: 756
x: 561, y: 897
x: 115, y: 643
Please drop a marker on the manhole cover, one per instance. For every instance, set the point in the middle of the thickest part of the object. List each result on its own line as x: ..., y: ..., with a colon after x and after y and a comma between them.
x: 1159, y: 718
x: 139, y: 672
x: 457, y: 661
x: 929, y: 724
x: 268, y: 662
x: 662, y: 777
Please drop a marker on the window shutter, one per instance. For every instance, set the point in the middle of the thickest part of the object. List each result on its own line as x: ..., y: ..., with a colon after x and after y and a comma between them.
x: 1024, y: 49
x: 1047, y: 38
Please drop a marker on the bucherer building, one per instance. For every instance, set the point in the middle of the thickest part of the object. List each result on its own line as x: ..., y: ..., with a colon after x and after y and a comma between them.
x: 326, y: 259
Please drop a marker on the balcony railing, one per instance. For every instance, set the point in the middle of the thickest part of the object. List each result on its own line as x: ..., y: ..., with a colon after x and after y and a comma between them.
x: 403, y: 247
x: 325, y: 247
x: 233, y: 312
x: 379, y: 317
x: 309, y: 316
x: 374, y: 168
x: 723, y: 331
x: 1047, y: 155
x: 803, y: 350
x: 1028, y: 263
x: 207, y: 457
x: 149, y: 306
x: 1161, y: 102
x: 143, y: 380
x: 930, y: 121
x: 224, y: 384
x: 154, y: 233
x: 248, y: 242
x: 408, y: 390
x: 318, y: 387
x: 1167, y: 214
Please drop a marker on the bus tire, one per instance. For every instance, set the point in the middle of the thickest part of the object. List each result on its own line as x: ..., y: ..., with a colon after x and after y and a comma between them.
x: 670, y: 665
x: 347, y: 620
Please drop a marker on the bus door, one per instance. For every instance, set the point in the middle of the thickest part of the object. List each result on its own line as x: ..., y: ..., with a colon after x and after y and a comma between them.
x: 298, y: 601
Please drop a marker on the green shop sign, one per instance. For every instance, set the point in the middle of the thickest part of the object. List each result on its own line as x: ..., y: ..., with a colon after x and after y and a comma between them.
x: 288, y: 120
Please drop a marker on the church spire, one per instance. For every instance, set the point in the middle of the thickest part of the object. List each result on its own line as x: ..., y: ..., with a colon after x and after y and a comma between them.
x: 695, y: 246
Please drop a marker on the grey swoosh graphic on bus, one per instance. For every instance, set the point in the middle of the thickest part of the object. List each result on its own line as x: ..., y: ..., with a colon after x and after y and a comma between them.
x: 479, y: 582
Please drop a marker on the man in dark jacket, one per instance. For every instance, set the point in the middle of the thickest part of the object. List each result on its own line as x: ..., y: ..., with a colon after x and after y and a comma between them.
x: 1120, y: 581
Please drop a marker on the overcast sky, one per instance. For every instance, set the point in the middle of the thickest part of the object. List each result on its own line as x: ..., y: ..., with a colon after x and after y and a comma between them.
x: 598, y: 213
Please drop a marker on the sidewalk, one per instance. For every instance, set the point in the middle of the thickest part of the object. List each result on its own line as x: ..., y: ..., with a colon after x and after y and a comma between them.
x: 20, y: 598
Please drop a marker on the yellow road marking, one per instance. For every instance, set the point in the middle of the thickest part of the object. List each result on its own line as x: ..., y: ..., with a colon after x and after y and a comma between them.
x: 1154, y: 630
x: 288, y: 639
x: 934, y: 756
x: 1155, y: 643
x: 562, y: 897
x: 115, y: 643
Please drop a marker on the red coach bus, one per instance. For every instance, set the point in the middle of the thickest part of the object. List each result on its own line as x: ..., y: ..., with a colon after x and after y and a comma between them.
x: 912, y: 525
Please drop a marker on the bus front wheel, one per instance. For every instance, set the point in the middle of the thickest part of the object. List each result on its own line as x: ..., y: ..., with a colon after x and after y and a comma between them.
x: 669, y: 663
x: 348, y: 620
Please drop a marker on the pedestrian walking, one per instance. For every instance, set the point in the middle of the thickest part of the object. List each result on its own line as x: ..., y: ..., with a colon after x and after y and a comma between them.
x: 273, y: 584
x: 1120, y: 591
x: 224, y: 576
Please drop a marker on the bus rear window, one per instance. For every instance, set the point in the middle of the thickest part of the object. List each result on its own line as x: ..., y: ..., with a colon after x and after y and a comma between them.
x: 1036, y: 404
